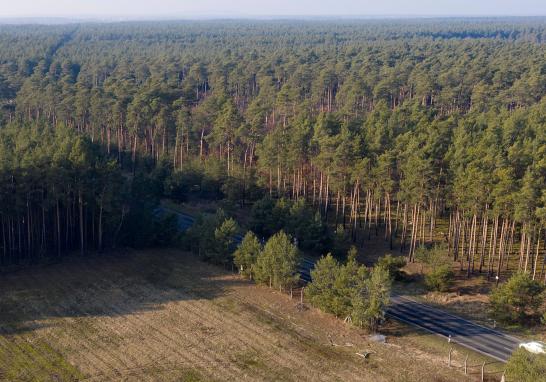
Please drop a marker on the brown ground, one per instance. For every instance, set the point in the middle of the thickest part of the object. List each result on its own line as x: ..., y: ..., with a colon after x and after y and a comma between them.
x: 165, y: 316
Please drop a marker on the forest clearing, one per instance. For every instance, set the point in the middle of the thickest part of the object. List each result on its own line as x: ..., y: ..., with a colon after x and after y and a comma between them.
x: 152, y: 315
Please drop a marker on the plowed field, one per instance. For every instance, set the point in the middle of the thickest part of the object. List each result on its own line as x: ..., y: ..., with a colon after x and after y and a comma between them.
x: 166, y: 316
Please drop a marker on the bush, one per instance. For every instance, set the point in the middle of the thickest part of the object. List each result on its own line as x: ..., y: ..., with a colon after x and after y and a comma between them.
x: 223, y: 239
x: 341, y: 241
x: 233, y: 190
x: 307, y: 226
x: 393, y: 265
x: 141, y: 226
x: 321, y: 291
x: 440, y: 278
x: 441, y: 274
x: 261, y: 217
x: 524, y: 366
x: 210, y: 188
x: 166, y: 230
x: 518, y: 300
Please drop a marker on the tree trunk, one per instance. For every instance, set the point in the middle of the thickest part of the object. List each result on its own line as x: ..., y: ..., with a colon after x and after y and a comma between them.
x: 80, y: 205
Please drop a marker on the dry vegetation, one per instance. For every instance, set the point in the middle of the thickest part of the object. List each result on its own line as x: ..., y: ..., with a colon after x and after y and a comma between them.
x: 166, y: 316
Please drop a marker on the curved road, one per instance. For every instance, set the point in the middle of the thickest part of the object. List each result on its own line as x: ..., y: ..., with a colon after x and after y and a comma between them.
x: 481, y: 339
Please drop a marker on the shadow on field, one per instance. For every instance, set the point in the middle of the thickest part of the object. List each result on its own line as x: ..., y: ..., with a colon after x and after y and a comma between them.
x: 106, y: 285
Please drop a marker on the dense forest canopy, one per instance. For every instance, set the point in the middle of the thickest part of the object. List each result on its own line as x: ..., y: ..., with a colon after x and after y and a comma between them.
x: 383, y: 124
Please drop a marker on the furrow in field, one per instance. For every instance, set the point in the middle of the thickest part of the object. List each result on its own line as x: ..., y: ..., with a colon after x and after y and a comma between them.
x: 149, y: 343
x: 296, y: 360
x: 148, y: 319
x: 74, y: 337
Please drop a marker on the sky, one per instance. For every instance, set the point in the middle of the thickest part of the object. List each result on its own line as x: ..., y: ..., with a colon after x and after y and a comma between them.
x: 249, y: 8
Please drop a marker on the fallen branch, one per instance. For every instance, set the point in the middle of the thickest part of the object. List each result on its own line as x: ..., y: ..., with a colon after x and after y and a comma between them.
x: 364, y: 355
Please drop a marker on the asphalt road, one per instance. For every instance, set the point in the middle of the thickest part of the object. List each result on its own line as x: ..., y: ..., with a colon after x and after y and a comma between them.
x: 487, y: 341
x: 305, y: 267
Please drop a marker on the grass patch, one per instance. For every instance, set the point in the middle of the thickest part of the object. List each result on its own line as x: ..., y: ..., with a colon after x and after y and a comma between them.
x: 229, y: 304
x: 309, y: 345
x: 249, y: 359
x: 192, y: 375
x: 22, y: 360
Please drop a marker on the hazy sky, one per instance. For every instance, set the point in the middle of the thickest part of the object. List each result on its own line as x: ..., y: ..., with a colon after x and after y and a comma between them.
x: 233, y: 8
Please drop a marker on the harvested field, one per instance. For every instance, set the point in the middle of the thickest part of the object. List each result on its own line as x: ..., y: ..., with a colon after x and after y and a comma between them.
x: 165, y: 316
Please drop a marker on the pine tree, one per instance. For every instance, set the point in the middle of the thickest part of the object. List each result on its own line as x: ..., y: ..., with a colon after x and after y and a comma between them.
x: 247, y: 253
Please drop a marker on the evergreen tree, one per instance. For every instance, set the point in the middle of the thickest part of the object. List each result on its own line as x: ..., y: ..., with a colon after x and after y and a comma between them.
x: 371, y: 300
x: 277, y: 263
x: 247, y: 253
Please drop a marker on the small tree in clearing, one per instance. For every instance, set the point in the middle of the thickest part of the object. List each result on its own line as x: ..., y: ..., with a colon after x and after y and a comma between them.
x: 322, y: 291
x: 224, y: 240
x: 247, y: 253
x: 334, y: 285
x: 277, y: 263
x: 372, y: 298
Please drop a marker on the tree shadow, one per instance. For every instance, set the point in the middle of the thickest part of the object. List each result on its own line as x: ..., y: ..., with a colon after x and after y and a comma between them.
x: 112, y: 285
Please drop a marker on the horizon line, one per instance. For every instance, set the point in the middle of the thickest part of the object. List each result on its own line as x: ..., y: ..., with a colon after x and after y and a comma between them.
x: 249, y: 17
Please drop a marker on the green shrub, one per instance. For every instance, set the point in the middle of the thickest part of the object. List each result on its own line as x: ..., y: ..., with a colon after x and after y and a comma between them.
x: 334, y: 285
x: 142, y: 227
x: 261, y: 218
x: 233, y: 189
x: 180, y: 184
x: 223, y: 237
x: 393, y: 265
x: 322, y: 292
x: 526, y: 367
x: 166, y: 230
x: 518, y: 300
x: 440, y: 278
